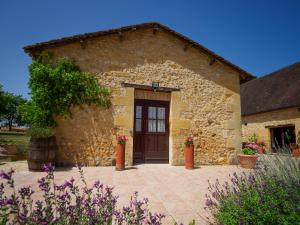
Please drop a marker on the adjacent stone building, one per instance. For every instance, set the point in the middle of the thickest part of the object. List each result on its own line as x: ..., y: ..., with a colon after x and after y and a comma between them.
x: 164, y: 88
x: 271, y: 107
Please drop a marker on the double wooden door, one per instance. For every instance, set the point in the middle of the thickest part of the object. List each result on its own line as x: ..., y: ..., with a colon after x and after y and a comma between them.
x: 151, y: 131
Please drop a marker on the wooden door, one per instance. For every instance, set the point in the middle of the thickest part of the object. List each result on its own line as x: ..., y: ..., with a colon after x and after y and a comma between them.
x: 151, y: 131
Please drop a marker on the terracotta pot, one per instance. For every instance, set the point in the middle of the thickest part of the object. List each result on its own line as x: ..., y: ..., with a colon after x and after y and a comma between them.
x: 189, y: 157
x: 248, y: 161
x: 261, y: 150
x: 120, y: 157
x: 296, y: 152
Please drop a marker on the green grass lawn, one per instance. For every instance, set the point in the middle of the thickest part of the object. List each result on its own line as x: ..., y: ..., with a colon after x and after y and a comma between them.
x: 18, y: 138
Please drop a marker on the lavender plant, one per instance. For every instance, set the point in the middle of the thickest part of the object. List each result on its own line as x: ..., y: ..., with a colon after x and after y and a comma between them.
x: 67, y: 203
x: 268, y: 195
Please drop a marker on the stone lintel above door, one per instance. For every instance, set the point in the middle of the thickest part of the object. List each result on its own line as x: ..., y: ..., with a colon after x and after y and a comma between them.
x: 151, y: 95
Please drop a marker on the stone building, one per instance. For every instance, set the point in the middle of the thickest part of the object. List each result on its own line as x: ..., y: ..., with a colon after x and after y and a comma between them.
x: 271, y: 107
x: 164, y: 88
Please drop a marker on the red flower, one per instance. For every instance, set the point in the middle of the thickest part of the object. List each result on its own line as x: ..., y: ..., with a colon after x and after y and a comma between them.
x: 189, y: 141
x: 121, y: 139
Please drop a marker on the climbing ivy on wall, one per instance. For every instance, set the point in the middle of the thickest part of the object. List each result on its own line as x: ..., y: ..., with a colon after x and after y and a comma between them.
x: 58, y: 86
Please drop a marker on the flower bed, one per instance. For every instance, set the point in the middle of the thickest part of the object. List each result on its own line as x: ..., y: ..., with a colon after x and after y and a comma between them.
x: 68, y: 204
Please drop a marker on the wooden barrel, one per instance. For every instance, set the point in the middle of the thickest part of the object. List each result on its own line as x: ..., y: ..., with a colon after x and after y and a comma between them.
x: 41, y: 151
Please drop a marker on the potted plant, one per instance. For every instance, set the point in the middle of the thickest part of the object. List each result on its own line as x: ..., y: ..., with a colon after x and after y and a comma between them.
x: 42, y: 148
x: 120, y: 152
x: 255, y: 144
x: 295, y: 149
x: 248, y: 158
x: 189, y: 153
x: 261, y: 147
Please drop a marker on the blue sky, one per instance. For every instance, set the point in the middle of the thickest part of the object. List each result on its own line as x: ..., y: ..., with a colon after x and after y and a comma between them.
x: 259, y: 36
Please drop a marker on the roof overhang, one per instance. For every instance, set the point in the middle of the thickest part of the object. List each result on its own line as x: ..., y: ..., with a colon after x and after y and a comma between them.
x: 38, y: 47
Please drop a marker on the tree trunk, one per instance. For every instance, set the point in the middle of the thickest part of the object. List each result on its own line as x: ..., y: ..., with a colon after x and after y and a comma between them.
x: 9, y: 125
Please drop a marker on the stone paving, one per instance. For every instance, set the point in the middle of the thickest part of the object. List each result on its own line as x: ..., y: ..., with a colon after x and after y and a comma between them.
x: 174, y: 191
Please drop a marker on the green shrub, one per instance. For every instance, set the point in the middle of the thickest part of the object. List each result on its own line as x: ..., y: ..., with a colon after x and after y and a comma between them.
x: 40, y: 132
x: 269, y: 195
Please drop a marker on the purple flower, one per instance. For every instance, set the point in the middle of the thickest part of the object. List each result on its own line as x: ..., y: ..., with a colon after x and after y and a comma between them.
x: 9, y: 201
x: 70, y: 183
x: 72, y: 204
x: 48, y: 168
x: 98, y: 184
x: 26, y: 192
x: 8, y: 175
x: 44, y: 184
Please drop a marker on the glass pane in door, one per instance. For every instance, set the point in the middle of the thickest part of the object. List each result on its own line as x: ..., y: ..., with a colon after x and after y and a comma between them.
x: 161, y: 126
x: 151, y: 112
x: 138, y: 125
x: 138, y: 111
x: 151, y: 125
x: 138, y: 118
x: 161, y: 113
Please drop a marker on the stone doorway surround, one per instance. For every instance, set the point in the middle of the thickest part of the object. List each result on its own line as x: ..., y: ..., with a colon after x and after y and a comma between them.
x: 179, y: 128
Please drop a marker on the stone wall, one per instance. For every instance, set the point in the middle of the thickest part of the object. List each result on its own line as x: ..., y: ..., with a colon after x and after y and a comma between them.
x: 207, y: 105
x: 259, y: 123
x: 86, y: 136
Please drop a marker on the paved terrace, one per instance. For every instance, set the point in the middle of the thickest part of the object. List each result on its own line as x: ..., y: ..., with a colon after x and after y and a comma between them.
x: 174, y: 191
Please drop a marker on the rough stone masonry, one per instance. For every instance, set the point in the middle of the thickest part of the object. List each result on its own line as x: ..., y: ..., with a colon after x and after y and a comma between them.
x: 207, y: 106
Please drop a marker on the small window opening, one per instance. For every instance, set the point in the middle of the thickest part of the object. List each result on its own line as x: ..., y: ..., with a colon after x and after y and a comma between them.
x: 281, y: 139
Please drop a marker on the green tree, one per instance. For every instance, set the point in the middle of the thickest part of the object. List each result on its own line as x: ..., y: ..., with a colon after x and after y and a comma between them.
x: 8, y: 110
x: 56, y: 87
x: 32, y: 114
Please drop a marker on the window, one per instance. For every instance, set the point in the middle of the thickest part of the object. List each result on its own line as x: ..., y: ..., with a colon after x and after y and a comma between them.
x: 151, y: 119
x: 138, y: 118
x: 161, y: 119
x: 156, y: 119
x: 281, y: 138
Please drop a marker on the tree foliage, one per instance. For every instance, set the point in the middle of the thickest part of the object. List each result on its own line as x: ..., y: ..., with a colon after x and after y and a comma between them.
x: 32, y: 114
x: 56, y: 87
x: 8, y: 110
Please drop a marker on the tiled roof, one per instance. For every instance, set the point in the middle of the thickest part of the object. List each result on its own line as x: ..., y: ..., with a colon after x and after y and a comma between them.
x: 277, y: 90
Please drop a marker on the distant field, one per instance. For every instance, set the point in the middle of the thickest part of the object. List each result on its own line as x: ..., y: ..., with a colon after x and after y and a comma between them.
x: 16, y: 129
x: 18, y: 138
